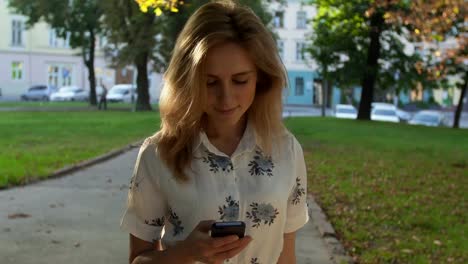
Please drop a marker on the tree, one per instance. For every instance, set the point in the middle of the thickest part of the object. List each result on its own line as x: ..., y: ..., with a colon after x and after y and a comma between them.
x: 133, y: 35
x: 354, y: 42
x: 79, y: 19
x: 436, y: 21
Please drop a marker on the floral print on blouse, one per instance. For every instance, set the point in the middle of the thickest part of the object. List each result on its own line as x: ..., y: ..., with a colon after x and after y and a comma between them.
x: 267, y: 192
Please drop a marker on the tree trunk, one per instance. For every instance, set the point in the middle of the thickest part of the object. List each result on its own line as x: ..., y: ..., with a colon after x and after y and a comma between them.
x: 370, y: 73
x: 143, y: 99
x: 90, y: 65
x: 324, y: 96
x: 456, y: 120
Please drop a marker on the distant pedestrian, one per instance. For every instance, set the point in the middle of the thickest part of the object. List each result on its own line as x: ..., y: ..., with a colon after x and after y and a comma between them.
x: 102, y: 99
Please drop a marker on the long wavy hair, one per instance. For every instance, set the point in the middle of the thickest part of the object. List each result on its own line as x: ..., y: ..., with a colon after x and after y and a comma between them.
x: 184, y: 92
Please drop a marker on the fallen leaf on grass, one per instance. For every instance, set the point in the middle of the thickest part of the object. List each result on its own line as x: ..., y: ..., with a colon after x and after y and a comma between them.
x: 437, y: 242
x: 407, y: 251
x: 18, y: 215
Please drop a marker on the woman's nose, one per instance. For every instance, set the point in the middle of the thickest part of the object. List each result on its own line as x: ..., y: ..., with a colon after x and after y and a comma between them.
x: 225, y: 92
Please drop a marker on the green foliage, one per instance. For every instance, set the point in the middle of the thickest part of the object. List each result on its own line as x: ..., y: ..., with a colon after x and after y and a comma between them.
x: 130, y: 32
x: 340, y: 45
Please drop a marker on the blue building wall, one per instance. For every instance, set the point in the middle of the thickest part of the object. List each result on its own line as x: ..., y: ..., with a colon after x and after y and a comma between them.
x: 307, y: 98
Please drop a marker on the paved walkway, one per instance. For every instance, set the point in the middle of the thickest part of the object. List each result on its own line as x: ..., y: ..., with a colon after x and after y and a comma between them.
x: 75, y: 219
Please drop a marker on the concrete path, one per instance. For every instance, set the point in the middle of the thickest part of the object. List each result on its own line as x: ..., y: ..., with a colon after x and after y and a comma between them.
x: 75, y: 219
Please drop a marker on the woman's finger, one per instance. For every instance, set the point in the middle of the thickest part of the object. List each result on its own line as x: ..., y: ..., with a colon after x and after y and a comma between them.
x: 241, y: 244
x: 221, y: 241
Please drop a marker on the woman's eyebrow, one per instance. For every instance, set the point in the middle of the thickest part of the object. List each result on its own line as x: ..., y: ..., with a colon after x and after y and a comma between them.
x: 235, y: 74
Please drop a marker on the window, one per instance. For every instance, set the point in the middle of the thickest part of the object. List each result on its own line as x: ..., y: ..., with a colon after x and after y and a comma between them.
x: 278, y: 20
x: 301, y: 19
x: 53, y: 42
x: 102, y: 41
x: 60, y: 75
x: 56, y: 41
x: 299, y: 89
x: 16, y: 32
x: 66, y: 75
x: 17, y: 71
x: 281, y: 48
x: 52, y: 74
x: 299, y: 51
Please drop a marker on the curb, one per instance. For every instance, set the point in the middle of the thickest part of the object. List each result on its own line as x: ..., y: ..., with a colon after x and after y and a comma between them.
x: 336, y: 250
x: 81, y: 165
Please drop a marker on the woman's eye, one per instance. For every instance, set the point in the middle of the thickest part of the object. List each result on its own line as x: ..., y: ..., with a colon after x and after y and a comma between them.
x: 210, y: 83
x: 240, y: 81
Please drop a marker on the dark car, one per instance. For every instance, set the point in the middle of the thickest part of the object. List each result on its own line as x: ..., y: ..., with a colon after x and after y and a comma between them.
x: 38, y: 93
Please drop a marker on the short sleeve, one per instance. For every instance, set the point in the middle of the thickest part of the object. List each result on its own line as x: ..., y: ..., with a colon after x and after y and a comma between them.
x: 147, y: 208
x: 297, y: 212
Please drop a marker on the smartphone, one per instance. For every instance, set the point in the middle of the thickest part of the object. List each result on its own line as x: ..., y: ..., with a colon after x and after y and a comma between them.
x: 221, y: 229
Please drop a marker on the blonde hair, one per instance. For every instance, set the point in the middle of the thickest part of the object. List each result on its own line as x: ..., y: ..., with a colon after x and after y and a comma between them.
x: 182, y: 96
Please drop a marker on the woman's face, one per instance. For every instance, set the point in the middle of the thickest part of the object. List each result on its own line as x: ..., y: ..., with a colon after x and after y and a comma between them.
x: 231, y: 81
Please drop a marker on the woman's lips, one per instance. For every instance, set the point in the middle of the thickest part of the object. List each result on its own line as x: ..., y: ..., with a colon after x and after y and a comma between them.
x: 226, y: 111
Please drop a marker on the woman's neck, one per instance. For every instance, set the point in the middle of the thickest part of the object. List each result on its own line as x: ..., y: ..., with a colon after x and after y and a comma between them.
x: 226, y: 138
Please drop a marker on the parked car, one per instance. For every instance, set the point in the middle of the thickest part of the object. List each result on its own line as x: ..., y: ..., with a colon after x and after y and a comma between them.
x: 345, y: 111
x: 70, y: 93
x: 402, y: 115
x: 428, y: 118
x: 387, y: 114
x: 39, y: 93
x: 122, y: 93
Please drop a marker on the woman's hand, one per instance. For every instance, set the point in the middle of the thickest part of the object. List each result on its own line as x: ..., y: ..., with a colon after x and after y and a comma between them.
x: 199, y: 246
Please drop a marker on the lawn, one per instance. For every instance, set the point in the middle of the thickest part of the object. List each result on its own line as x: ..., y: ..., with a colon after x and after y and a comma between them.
x: 394, y: 193
x: 34, y: 144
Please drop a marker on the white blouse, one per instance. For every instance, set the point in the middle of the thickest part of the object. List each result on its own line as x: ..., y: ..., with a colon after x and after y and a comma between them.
x: 268, y: 193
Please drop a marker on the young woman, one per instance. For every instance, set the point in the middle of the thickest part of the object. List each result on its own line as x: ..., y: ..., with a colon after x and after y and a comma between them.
x: 222, y: 153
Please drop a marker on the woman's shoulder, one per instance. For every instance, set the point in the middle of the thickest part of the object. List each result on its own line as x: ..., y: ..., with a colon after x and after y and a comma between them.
x: 149, y: 150
x: 287, y: 137
x: 286, y: 142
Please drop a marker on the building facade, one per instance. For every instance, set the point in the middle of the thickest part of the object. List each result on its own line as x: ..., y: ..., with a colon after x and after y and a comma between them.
x: 291, y: 23
x: 37, y: 56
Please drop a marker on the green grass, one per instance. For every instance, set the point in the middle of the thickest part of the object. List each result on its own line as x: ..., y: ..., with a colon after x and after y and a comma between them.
x: 394, y: 193
x: 34, y: 144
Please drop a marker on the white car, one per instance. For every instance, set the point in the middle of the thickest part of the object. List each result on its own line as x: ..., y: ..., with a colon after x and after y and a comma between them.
x: 345, y: 111
x: 428, y: 118
x: 403, y: 115
x: 386, y: 114
x: 70, y: 93
x: 122, y: 93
